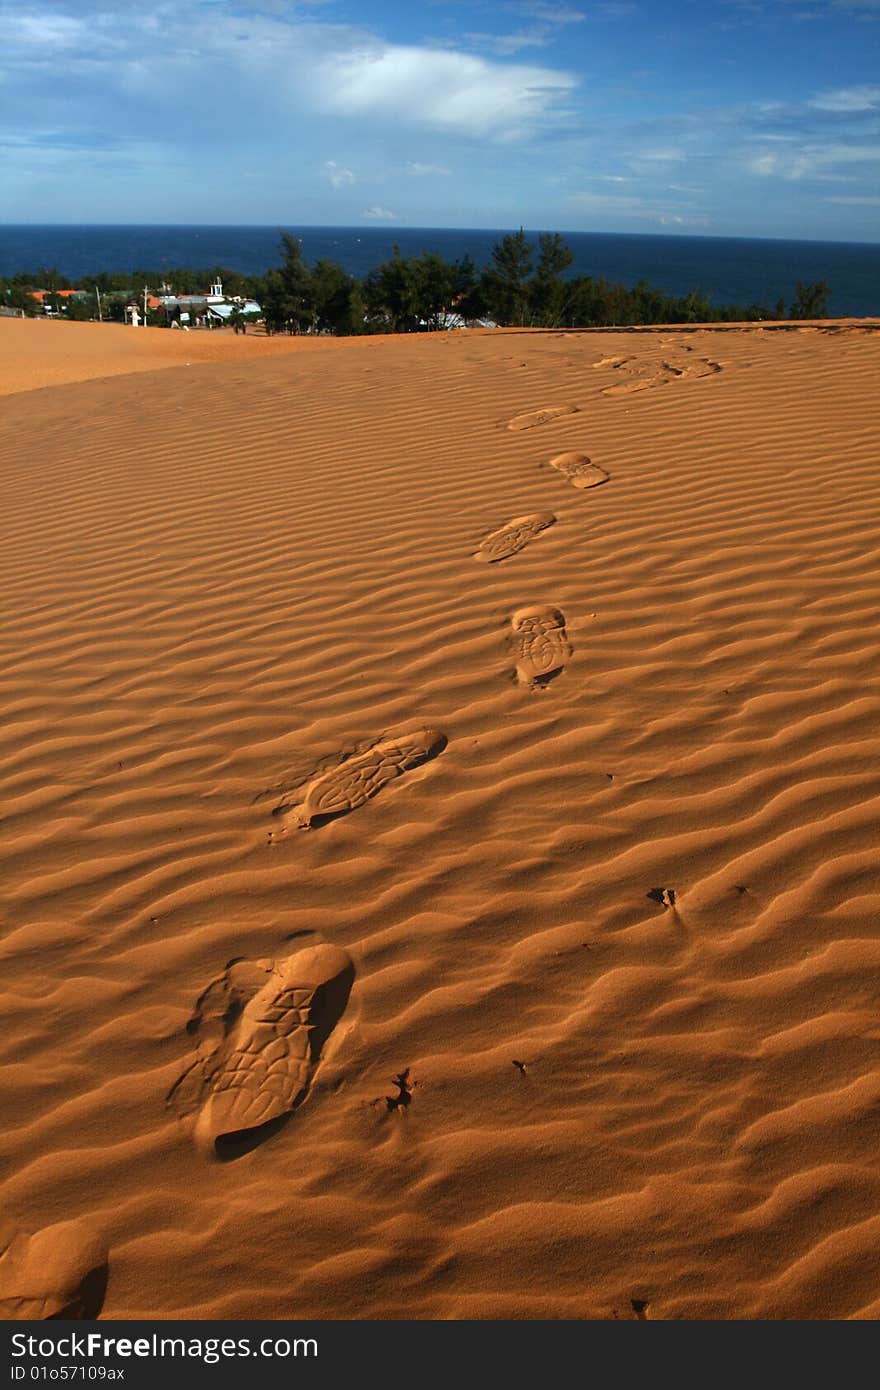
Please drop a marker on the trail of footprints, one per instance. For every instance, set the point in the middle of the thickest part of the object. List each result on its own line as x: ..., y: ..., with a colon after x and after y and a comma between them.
x: 262, y: 1027
x: 636, y: 374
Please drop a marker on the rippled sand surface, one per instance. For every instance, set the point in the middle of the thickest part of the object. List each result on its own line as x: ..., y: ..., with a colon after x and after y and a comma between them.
x: 436, y: 883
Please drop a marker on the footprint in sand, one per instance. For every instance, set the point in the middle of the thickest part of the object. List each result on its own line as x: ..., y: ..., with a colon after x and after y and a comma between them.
x: 264, y: 1026
x: 640, y: 378
x: 513, y: 537
x: 542, y: 647
x: 60, y: 1272
x: 704, y: 367
x: 626, y: 388
x: 360, y: 777
x: 613, y: 361
x: 540, y: 417
x: 579, y: 470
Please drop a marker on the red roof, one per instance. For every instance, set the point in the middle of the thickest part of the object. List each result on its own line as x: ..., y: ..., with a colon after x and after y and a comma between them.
x: 41, y: 294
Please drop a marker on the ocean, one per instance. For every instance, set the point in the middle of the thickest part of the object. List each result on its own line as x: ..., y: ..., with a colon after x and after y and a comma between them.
x: 731, y: 270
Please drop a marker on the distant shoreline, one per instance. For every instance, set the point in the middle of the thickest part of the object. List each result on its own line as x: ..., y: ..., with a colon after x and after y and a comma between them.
x: 392, y: 228
x: 730, y: 270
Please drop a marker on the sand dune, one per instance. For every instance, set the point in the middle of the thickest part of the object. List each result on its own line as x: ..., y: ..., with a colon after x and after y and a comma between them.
x: 595, y: 826
x: 47, y: 352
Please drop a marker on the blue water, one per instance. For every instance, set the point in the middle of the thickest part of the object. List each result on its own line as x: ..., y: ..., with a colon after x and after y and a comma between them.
x: 731, y: 270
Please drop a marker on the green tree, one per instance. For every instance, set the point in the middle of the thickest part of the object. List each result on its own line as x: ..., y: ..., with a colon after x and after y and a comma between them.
x: 18, y: 298
x: 288, y: 300
x: 391, y: 293
x: 339, y: 302
x: 80, y: 308
x: 505, y: 282
x: 434, y: 282
x: 51, y: 279
x: 810, y: 301
x: 547, y: 290
x: 468, y: 299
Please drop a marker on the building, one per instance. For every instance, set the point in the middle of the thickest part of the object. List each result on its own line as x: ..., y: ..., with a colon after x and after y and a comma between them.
x: 211, y: 310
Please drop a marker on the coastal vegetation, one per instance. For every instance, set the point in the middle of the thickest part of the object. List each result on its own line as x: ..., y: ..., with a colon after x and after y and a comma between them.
x: 525, y: 284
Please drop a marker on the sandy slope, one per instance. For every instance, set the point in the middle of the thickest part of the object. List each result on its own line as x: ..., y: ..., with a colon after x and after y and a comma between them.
x: 43, y: 352
x: 220, y: 579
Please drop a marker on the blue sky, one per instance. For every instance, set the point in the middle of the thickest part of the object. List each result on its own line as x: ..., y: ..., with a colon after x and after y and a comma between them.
x: 708, y: 117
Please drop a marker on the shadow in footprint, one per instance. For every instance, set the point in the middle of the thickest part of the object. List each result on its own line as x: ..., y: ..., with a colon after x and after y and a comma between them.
x: 403, y: 1099
x: 90, y: 1297
x: 664, y: 896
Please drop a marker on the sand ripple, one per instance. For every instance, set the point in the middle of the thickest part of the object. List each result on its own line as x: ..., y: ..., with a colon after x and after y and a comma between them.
x: 225, y: 581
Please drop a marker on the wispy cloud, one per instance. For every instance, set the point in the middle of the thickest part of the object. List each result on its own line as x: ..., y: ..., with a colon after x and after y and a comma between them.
x: 418, y: 170
x: 859, y: 98
x: 337, y: 175
x: 505, y: 45
x: 810, y: 9
x: 819, y: 161
x: 548, y: 11
x: 546, y: 23
x: 602, y: 205
x: 376, y: 213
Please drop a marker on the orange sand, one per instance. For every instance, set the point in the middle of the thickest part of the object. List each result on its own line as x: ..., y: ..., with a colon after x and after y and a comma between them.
x: 612, y: 802
x: 45, y: 352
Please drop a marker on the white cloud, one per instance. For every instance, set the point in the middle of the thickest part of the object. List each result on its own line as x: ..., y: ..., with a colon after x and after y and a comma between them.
x: 862, y: 98
x: 674, y: 219
x: 336, y: 175
x: 455, y: 92
x: 278, y: 63
x: 622, y: 207
x: 765, y: 165
x: 46, y: 32
x: 866, y: 202
x: 420, y: 171
x: 375, y: 213
x: 810, y: 160
x: 662, y: 156
x: 607, y: 202
x: 506, y: 44
x: 548, y: 12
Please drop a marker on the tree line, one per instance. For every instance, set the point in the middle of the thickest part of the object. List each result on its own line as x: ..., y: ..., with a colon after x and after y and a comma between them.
x: 525, y: 284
